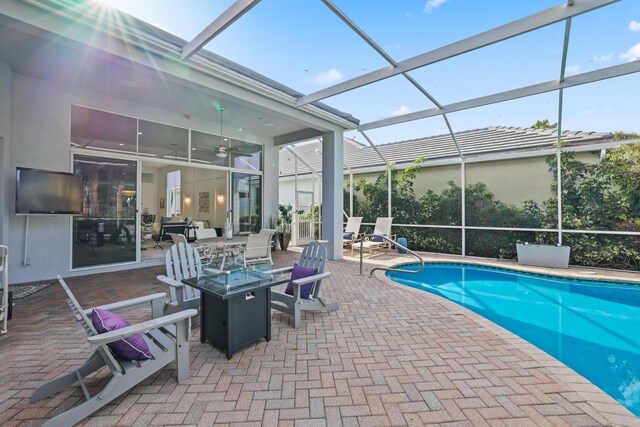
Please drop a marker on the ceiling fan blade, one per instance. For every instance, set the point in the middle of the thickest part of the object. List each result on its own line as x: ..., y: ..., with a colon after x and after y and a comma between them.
x: 204, y: 147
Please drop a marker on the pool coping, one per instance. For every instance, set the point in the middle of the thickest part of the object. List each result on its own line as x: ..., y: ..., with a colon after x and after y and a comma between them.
x: 601, y: 406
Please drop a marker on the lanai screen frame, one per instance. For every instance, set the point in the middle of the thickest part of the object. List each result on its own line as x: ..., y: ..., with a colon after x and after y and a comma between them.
x: 563, y: 12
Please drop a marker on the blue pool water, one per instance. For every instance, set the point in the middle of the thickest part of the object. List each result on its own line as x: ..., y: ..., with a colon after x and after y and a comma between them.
x: 592, y: 327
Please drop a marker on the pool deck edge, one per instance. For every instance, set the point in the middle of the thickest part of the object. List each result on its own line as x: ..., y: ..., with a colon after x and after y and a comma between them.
x: 601, y: 406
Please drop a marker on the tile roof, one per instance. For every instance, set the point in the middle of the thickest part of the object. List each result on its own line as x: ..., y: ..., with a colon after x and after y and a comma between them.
x: 493, y: 139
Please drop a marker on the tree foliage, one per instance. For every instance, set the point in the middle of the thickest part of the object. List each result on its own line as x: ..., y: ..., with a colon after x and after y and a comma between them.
x: 600, y: 196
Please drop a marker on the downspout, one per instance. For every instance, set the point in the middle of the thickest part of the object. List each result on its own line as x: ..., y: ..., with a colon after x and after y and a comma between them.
x: 350, y: 189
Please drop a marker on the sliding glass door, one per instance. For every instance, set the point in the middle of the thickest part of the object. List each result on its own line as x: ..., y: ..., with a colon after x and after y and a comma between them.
x: 246, y: 208
x: 106, y: 232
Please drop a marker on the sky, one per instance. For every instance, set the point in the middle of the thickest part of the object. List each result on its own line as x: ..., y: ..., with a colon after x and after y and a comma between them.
x: 303, y: 45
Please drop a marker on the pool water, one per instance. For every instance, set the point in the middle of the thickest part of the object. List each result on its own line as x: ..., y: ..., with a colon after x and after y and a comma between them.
x: 592, y: 327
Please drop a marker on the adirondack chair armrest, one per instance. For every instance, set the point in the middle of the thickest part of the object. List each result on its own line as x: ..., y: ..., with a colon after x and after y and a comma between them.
x: 121, y: 305
x: 169, y: 281
x: 311, y: 279
x: 143, y: 327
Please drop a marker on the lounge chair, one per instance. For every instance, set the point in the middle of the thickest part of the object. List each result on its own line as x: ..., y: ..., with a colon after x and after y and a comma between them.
x: 376, y: 243
x: 314, y: 256
x: 351, y: 234
x: 183, y: 262
x: 166, y: 336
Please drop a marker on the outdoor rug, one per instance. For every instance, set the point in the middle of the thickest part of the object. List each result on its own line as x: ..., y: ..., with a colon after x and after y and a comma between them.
x: 23, y: 291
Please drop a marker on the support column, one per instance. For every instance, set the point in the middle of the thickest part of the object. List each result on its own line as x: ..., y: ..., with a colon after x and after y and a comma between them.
x: 332, y: 200
x: 270, y: 183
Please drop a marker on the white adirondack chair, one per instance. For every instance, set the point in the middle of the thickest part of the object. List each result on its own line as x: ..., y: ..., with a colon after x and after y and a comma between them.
x: 314, y: 255
x: 4, y: 281
x: 178, y: 238
x: 182, y: 262
x: 168, y: 340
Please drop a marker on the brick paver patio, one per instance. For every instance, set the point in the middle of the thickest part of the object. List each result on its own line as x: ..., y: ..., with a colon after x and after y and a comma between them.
x: 390, y: 355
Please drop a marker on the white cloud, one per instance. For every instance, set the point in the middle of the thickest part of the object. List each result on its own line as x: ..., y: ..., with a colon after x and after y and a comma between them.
x: 328, y: 77
x: 400, y: 111
x: 632, y: 54
x: 572, y: 69
x: 601, y: 110
x: 603, y: 58
x: 433, y: 4
x: 634, y: 26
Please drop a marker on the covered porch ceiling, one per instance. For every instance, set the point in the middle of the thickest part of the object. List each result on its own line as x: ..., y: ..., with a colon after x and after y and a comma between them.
x: 101, y: 67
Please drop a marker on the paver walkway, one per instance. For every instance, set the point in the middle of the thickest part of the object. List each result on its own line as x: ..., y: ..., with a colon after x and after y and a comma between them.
x: 389, y: 356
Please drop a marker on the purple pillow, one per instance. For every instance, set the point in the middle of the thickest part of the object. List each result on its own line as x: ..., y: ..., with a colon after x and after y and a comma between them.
x: 348, y: 235
x: 130, y: 348
x: 300, y: 272
x: 377, y: 239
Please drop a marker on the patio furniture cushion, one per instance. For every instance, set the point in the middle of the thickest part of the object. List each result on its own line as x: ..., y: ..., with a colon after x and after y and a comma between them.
x: 300, y: 272
x: 377, y: 239
x: 130, y: 348
x: 347, y: 235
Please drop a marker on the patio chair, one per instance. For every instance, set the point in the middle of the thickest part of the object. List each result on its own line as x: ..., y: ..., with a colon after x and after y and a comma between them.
x: 206, y: 233
x: 351, y: 232
x: 208, y: 255
x: 165, y: 229
x: 5, y: 309
x: 376, y: 243
x: 258, y: 248
x: 166, y: 336
x: 314, y: 256
x: 183, y: 262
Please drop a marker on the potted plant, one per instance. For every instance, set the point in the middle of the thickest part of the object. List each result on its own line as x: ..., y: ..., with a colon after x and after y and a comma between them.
x: 284, y: 225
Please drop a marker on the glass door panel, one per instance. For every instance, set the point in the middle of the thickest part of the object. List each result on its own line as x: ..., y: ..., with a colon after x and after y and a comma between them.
x: 106, y: 232
x: 246, y: 207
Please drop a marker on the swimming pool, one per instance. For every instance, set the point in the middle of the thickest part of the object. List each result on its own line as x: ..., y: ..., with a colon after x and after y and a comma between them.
x: 592, y: 327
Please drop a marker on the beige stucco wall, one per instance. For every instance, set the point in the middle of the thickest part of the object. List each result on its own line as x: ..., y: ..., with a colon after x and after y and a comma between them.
x: 518, y: 180
x: 511, y: 181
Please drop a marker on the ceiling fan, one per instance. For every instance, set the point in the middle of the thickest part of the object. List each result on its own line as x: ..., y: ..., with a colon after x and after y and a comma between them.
x: 221, y: 151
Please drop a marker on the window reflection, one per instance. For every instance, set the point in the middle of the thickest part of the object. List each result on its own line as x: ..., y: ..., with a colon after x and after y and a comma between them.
x: 163, y: 141
x: 247, y: 202
x: 106, y: 233
x: 100, y: 130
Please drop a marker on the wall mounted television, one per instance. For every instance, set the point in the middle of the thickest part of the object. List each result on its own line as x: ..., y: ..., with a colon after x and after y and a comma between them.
x: 47, y: 192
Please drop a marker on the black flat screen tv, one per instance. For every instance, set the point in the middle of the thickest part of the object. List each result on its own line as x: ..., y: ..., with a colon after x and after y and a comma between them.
x: 47, y: 192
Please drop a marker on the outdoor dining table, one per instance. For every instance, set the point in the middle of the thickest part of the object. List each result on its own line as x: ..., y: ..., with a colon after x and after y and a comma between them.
x: 220, y: 245
x: 235, y: 306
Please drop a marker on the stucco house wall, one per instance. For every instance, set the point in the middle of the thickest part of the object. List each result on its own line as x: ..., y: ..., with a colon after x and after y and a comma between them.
x: 40, y: 138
